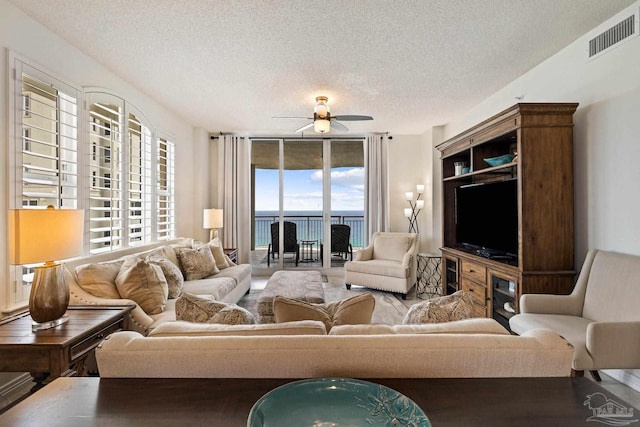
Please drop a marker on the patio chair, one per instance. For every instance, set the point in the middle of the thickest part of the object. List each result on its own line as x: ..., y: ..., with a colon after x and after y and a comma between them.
x: 290, y: 241
x: 340, y: 241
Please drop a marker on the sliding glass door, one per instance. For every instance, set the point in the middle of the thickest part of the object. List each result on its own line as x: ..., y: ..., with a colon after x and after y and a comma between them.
x: 300, y: 188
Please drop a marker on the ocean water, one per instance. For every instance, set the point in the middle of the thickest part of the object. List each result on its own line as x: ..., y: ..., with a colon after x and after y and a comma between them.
x: 309, y: 225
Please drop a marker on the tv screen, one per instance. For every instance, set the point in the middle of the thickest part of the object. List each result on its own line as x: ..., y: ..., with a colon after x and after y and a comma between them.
x: 487, y: 216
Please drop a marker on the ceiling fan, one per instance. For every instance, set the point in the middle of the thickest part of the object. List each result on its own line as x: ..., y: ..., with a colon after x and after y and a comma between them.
x: 322, y: 118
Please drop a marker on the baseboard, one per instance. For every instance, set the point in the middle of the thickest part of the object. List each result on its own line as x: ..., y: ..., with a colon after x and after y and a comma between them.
x: 628, y: 377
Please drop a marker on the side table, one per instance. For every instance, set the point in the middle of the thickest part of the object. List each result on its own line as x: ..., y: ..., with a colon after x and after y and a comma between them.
x: 59, y: 351
x: 232, y: 253
x: 306, y: 249
x: 429, y: 275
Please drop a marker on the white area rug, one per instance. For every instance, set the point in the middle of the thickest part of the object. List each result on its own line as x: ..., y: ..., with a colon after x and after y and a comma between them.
x: 389, y: 309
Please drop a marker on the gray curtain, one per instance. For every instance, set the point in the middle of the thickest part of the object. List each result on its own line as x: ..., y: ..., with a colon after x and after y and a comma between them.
x: 376, y: 184
x: 234, y: 176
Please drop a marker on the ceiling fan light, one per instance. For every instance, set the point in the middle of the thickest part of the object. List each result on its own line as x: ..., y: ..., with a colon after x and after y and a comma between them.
x: 322, y: 126
x: 321, y: 109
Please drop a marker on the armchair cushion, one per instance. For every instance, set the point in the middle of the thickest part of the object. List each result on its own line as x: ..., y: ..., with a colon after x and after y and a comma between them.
x: 390, y: 247
x: 380, y: 267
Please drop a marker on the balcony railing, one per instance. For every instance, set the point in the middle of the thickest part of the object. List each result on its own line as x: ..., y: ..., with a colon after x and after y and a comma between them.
x: 308, y: 227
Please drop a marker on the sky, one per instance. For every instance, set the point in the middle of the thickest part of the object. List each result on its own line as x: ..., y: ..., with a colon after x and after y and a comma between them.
x: 303, y: 189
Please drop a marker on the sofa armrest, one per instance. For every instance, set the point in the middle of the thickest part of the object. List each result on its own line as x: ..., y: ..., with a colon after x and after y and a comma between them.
x: 614, y: 345
x: 570, y: 305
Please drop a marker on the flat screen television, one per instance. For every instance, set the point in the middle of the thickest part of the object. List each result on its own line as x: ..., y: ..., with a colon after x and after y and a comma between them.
x: 487, y: 218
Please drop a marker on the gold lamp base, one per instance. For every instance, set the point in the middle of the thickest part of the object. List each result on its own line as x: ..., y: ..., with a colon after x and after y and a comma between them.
x: 49, y: 297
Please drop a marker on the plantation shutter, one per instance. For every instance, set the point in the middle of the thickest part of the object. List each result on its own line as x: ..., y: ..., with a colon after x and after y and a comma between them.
x: 105, y: 165
x: 139, y: 191
x: 165, y: 190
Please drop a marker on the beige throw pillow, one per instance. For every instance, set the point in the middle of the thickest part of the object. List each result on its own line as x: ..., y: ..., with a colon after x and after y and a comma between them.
x: 166, y: 252
x: 351, y: 311
x: 171, y: 273
x: 218, y: 253
x: 456, y: 306
x: 143, y: 283
x: 193, y: 308
x: 197, y: 263
x: 100, y: 279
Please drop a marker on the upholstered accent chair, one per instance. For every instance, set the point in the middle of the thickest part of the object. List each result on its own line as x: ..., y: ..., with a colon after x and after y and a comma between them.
x: 291, y: 244
x: 388, y: 263
x: 600, y: 318
x: 340, y: 241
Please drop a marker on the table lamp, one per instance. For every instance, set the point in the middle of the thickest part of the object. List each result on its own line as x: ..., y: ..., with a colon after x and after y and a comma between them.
x: 44, y: 235
x: 212, y: 219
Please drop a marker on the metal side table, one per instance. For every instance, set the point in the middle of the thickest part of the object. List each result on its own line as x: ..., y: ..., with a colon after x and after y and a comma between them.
x: 429, y: 275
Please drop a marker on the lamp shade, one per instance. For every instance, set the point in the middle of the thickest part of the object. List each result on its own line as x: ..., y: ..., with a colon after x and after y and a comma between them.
x: 212, y: 218
x: 40, y: 235
x: 321, y: 126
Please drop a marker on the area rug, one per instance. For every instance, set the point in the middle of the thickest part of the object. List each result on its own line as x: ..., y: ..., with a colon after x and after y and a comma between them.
x: 389, y: 309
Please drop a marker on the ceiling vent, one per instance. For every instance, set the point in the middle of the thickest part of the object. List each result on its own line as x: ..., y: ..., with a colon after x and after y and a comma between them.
x: 613, y: 36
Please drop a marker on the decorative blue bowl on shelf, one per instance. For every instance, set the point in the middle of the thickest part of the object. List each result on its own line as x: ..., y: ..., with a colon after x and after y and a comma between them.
x: 500, y: 160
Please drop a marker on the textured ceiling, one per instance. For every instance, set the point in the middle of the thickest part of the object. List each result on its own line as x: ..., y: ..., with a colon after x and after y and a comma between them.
x: 231, y: 65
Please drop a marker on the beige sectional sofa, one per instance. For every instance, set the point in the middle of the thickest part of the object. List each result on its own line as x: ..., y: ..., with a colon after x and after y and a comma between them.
x: 228, y: 285
x: 303, y: 349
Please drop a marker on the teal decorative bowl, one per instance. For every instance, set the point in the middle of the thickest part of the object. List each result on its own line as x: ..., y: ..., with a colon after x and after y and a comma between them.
x: 335, y: 402
x: 500, y: 160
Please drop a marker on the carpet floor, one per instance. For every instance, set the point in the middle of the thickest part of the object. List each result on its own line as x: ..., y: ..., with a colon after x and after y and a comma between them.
x: 389, y: 309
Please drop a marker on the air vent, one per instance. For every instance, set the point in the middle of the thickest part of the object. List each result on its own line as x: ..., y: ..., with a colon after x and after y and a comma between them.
x: 612, y: 36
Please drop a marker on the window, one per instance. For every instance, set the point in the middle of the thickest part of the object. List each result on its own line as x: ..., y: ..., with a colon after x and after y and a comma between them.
x: 139, y: 182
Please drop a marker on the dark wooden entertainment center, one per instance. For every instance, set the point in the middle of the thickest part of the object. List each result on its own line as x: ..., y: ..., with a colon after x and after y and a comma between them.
x: 541, y: 137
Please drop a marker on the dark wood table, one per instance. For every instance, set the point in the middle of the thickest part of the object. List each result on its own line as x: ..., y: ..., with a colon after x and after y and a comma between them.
x: 492, y: 402
x: 59, y: 351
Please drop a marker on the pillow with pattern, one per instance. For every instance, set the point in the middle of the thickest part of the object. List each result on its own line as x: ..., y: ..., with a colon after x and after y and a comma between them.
x: 457, y: 306
x: 172, y: 274
x: 197, y: 263
x: 193, y: 308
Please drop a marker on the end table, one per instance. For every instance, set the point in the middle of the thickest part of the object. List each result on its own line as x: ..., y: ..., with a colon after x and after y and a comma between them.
x: 59, y: 351
x: 429, y: 275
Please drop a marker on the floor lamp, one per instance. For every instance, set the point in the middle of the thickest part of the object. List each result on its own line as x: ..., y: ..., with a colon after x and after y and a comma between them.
x: 213, y: 219
x: 412, y: 212
x: 45, y: 235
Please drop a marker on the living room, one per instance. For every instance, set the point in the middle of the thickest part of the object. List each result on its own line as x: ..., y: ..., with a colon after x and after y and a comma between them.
x: 606, y: 131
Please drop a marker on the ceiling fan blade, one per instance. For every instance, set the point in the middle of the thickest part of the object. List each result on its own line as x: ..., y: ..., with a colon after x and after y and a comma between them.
x: 339, y: 126
x: 351, y: 117
x: 305, y: 127
x: 287, y: 117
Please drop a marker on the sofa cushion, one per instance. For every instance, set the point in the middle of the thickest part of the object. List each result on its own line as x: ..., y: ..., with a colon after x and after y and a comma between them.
x: 467, y: 326
x: 214, y: 287
x: 197, y: 263
x: 456, y: 306
x: 350, y: 311
x: 99, y: 279
x: 390, y: 247
x: 380, y: 267
x: 202, y: 309
x: 180, y: 328
x: 144, y: 283
x: 171, y: 273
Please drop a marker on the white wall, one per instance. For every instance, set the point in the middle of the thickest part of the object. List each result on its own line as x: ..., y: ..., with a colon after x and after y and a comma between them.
x: 606, y: 139
x: 32, y: 41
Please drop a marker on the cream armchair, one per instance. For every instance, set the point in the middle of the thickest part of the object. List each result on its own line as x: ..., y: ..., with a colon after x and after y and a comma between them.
x: 388, y: 263
x: 600, y: 318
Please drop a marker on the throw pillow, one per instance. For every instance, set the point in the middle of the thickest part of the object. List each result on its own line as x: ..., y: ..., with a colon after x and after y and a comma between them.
x: 143, y: 283
x: 218, y: 253
x: 456, y: 306
x: 351, y: 311
x: 197, y: 263
x: 167, y: 252
x: 100, y: 279
x: 172, y: 274
x: 193, y: 308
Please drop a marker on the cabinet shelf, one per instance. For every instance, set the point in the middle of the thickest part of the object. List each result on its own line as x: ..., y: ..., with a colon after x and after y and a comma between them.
x: 505, y: 169
x: 505, y: 293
